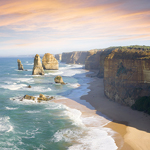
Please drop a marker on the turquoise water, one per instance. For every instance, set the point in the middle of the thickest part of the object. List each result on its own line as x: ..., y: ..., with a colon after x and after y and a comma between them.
x: 26, y: 125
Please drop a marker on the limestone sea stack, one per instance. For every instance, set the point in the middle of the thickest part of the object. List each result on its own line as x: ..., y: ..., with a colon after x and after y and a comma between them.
x: 37, y: 69
x: 20, y: 66
x: 59, y: 79
x: 49, y: 62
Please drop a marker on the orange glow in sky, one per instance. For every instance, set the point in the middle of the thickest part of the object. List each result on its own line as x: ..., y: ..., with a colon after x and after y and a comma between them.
x: 40, y: 26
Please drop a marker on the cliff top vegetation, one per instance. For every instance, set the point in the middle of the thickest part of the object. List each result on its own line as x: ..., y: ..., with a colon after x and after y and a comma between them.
x: 129, y: 52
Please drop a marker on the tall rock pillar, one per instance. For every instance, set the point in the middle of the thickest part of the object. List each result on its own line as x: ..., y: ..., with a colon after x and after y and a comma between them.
x: 37, y: 69
x: 20, y: 66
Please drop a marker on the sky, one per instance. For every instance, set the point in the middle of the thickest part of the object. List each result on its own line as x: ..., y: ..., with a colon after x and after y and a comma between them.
x: 54, y: 26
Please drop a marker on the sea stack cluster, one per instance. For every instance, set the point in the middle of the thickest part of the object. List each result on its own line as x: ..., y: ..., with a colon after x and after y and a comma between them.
x: 49, y: 62
x: 20, y: 66
x: 37, y: 69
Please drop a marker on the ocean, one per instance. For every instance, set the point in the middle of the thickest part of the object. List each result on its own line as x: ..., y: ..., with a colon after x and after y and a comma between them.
x: 27, y: 125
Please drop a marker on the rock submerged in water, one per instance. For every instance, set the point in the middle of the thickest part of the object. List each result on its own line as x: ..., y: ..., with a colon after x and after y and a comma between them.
x: 40, y: 98
x: 28, y: 97
x: 49, y: 62
x: 29, y: 86
x: 37, y: 69
x: 44, y: 98
x: 59, y: 79
x: 20, y: 66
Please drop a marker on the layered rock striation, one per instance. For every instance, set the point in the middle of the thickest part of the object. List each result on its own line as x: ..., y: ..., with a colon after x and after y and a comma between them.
x: 92, y: 61
x: 127, y: 75
x: 58, y: 56
x: 37, y: 69
x: 20, y: 66
x: 74, y: 57
x: 49, y: 62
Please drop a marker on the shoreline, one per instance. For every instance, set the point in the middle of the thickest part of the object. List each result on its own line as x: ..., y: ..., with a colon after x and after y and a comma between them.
x: 132, y: 125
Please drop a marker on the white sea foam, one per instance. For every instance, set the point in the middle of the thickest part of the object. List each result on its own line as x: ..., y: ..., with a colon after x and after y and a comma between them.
x: 27, y: 80
x: 95, y: 139
x: 13, y: 86
x: 5, y: 125
x: 74, y: 85
x: 74, y: 115
x: 67, y: 135
x: 11, y: 108
x: 36, y: 89
x: 32, y: 112
x: 55, y: 73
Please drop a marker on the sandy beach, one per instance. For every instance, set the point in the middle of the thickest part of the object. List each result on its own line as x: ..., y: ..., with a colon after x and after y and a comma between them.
x: 133, y: 126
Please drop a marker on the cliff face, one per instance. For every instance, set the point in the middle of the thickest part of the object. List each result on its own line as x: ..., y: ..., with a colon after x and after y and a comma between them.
x: 127, y: 75
x: 37, y: 69
x: 74, y: 57
x: 103, y: 55
x: 49, y: 62
x: 92, y: 61
x: 58, y: 56
x: 20, y: 66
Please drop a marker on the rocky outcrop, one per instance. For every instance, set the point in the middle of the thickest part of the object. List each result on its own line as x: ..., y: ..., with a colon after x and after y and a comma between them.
x: 37, y: 69
x: 74, y: 57
x: 49, y: 62
x: 92, y: 61
x: 127, y: 75
x: 39, y: 99
x: 58, y: 56
x: 20, y: 66
x: 44, y: 98
x: 59, y: 79
x: 28, y: 97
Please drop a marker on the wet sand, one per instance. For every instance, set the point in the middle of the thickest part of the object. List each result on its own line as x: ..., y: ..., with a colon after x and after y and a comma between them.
x: 134, y: 126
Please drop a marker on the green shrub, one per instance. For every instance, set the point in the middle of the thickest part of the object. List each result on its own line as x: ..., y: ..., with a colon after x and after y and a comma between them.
x: 142, y: 104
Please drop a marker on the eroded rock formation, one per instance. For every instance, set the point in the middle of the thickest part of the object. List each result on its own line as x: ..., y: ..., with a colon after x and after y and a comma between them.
x: 44, y: 98
x: 39, y: 99
x: 28, y: 97
x: 59, y: 79
x: 58, y: 56
x: 127, y: 75
x: 37, y: 69
x: 92, y: 61
x: 49, y: 62
x: 74, y: 57
x: 20, y: 66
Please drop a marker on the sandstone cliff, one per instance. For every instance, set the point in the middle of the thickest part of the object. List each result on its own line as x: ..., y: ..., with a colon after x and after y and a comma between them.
x: 58, y: 56
x: 74, y: 57
x: 103, y: 55
x: 49, y: 62
x: 20, y: 66
x: 92, y: 61
x: 37, y: 69
x: 127, y: 75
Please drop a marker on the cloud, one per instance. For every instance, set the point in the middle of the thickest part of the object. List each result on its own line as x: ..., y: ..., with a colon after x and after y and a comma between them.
x: 62, y: 20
